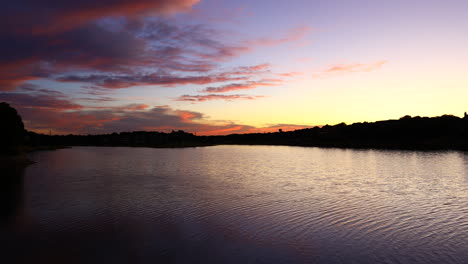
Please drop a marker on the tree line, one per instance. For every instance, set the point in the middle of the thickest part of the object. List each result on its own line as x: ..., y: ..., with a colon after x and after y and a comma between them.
x: 442, y: 132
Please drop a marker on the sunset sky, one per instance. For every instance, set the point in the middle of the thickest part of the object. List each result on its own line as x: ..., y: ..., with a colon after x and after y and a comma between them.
x: 232, y: 66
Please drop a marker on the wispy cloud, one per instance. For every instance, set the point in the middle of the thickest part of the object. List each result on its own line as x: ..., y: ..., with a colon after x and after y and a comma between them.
x: 290, y: 74
x: 99, y: 99
x: 260, y: 68
x: 349, y: 68
x: 31, y: 96
x: 242, y: 86
x: 210, y: 97
x: 293, y: 35
x: 125, y: 81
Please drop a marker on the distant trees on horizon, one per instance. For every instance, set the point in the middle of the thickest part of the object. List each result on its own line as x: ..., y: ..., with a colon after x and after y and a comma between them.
x: 443, y: 132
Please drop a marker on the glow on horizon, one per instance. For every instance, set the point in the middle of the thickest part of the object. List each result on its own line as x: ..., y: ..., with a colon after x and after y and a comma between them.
x: 243, y: 66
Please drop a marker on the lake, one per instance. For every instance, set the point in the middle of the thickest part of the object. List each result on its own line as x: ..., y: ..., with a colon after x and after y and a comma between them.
x: 238, y: 204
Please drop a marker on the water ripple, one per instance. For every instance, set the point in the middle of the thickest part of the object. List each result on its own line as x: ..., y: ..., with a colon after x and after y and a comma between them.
x: 236, y: 204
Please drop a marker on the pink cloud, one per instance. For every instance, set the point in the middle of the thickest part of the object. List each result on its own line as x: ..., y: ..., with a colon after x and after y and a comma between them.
x: 292, y: 35
x: 290, y: 74
x: 252, y: 69
x: 210, y: 97
x: 52, y: 111
x: 349, y: 68
x: 129, y: 107
x: 121, y: 119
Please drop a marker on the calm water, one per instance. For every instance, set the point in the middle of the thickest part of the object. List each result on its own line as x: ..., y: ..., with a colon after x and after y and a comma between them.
x: 239, y: 204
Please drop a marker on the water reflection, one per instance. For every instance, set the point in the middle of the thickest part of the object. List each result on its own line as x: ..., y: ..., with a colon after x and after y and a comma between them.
x: 241, y: 204
x: 11, y: 192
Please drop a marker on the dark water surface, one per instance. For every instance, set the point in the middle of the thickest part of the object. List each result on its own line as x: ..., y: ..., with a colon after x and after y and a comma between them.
x: 239, y: 204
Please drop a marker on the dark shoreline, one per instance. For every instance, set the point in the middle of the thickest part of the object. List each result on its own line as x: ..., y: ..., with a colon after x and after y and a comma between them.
x: 410, y: 133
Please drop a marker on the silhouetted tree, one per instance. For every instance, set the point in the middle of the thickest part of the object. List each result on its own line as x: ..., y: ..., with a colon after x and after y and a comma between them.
x: 11, y: 129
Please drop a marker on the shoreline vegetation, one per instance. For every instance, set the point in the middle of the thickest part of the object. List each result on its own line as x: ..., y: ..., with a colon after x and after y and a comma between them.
x: 445, y: 132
